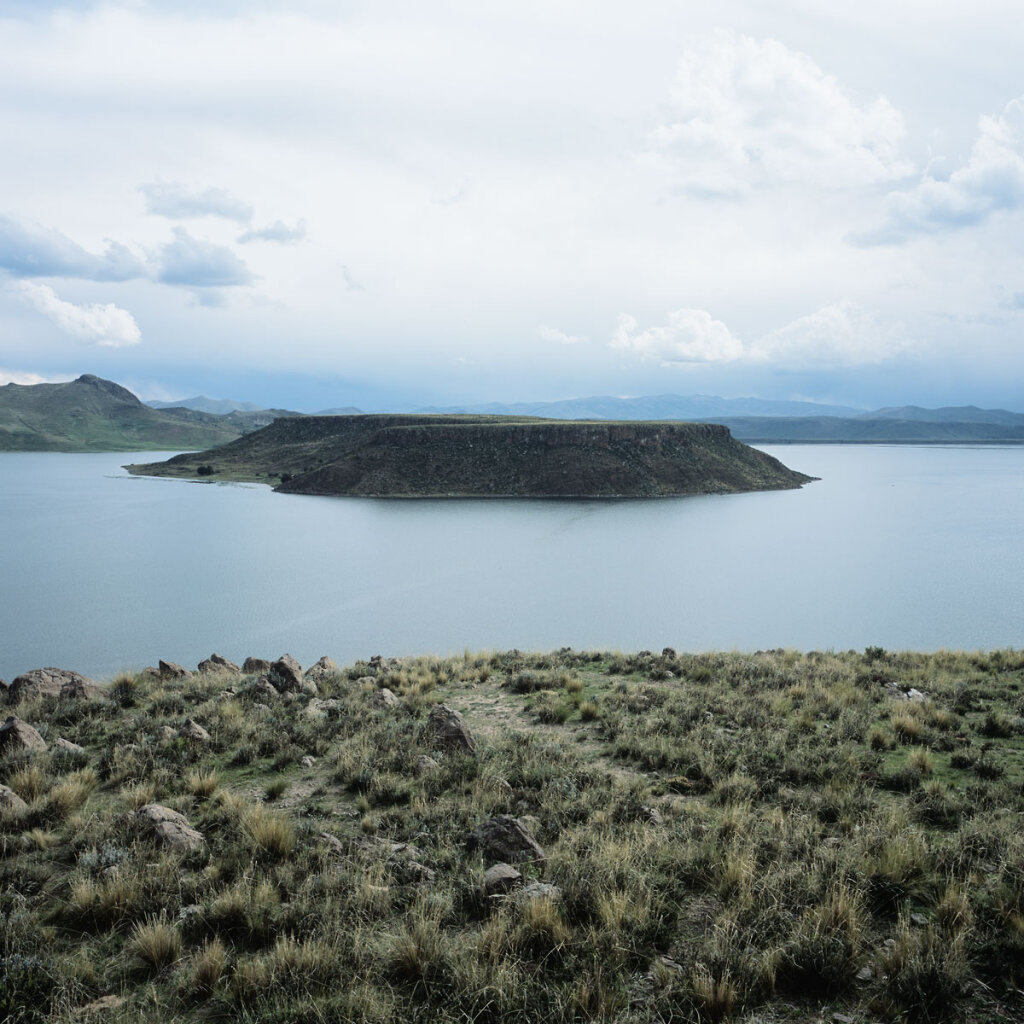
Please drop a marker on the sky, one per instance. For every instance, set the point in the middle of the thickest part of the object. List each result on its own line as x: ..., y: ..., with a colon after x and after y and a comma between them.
x: 395, y: 204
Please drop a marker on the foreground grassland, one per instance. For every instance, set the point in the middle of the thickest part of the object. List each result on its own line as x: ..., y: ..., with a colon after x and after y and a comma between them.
x: 770, y: 837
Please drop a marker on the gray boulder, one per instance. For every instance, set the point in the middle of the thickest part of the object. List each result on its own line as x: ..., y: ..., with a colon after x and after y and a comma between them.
x: 286, y: 674
x: 425, y: 763
x: 169, y: 828
x: 322, y: 670
x: 218, y: 663
x: 51, y: 682
x: 505, y: 839
x: 536, y: 891
x: 500, y: 879
x: 194, y: 732
x: 18, y: 737
x: 255, y: 666
x: 10, y: 802
x: 172, y: 670
x: 384, y: 699
x: 262, y: 689
x: 447, y: 730
x: 65, y: 748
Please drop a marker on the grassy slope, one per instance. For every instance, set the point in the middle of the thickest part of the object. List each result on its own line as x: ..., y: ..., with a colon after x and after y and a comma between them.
x: 489, y: 456
x: 91, y: 414
x: 761, y: 838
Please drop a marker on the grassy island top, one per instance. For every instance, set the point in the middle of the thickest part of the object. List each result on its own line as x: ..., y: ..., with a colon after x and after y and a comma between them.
x: 518, y: 838
x: 487, y: 456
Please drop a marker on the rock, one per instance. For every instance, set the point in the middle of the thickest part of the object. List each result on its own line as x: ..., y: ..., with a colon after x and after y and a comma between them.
x: 379, y: 664
x: 865, y: 974
x: 536, y: 891
x: 166, y: 734
x: 172, y: 670
x: 843, y: 1018
x: 255, y: 666
x: 832, y: 843
x: 500, y: 879
x: 151, y: 673
x: 169, y: 828
x: 193, y: 731
x: 366, y: 682
x: 61, y: 746
x: 668, y: 653
x: 262, y: 689
x: 52, y: 682
x: 384, y: 698
x: 286, y: 674
x: 308, y: 761
x: 504, y: 838
x: 425, y: 763
x: 321, y: 670
x: 218, y: 663
x: 652, y: 815
x: 333, y: 843
x: 315, y: 709
x: 103, y: 1003
x: 919, y: 920
x: 447, y: 729
x: 10, y: 802
x: 18, y: 737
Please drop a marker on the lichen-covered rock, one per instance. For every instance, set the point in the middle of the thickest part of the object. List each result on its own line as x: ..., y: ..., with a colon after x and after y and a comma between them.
x: 262, y: 689
x: 286, y: 674
x: 51, y: 682
x: 322, y: 670
x: 172, y: 670
x: 10, y: 802
x: 505, y: 839
x: 169, y: 828
x: 193, y: 732
x: 65, y: 748
x: 218, y: 663
x: 425, y: 763
x: 536, y: 891
x: 255, y: 666
x: 17, y: 737
x: 446, y: 729
x: 384, y: 699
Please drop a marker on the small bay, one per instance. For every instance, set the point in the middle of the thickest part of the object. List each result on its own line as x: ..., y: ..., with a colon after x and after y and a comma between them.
x: 903, y: 547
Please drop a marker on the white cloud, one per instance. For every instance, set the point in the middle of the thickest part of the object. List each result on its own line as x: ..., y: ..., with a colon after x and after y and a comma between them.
x: 991, y: 181
x: 278, y: 232
x: 200, y: 264
x: 16, y: 377
x: 178, y: 202
x: 749, y: 112
x: 554, y: 334
x: 840, y: 334
x: 689, y: 336
x: 103, y: 324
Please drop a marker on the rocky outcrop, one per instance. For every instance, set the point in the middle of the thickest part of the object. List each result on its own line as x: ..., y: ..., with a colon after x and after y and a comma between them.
x: 172, y: 670
x: 169, y: 828
x: 447, y: 730
x: 322, y: 670
x: 65, y: 748
x: 255, y: 666
x: 10, y: 802
x: 500, y: 879
x: 286, y: 676
x: 504, y: 839
x: 18, y: 737
x: 384, y: 699
x: 52, y: 682
x: 218, y: 663
x: 193, y: 732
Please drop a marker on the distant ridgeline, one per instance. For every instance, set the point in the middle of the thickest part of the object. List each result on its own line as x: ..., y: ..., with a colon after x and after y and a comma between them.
x: 487, y: 456
x: 95, y: 415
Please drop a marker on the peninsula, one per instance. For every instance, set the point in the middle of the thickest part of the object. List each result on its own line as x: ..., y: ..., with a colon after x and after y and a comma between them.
x: 487, y: 456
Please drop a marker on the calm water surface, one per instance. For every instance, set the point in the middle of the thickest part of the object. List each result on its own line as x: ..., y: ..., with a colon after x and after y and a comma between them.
x: 898, y: 546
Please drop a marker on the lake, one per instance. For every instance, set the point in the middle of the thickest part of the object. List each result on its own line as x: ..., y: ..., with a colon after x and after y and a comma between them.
x: 903, y: 547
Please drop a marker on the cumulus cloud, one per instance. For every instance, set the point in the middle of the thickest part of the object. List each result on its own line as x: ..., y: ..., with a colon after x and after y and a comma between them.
x: 103, y: 324
x: 749, y: 113
x: 178, y: 202
x: 840, y: 334
x: 195, y: 263
x: 991, y: 181
x: 689, y: 336
x: 278, y: 232
x: 16, y: 377
x: 30, y: 250
x: 554, y: 334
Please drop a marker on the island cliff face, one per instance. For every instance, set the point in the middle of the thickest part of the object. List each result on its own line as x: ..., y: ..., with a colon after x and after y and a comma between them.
x: 480, y: 456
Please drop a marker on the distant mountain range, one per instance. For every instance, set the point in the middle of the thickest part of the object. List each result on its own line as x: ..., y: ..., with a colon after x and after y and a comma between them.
x: 92, y: 414
x: 217, y: 406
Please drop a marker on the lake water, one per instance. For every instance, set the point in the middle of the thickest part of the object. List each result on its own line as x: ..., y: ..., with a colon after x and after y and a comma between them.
x: 898, y: 546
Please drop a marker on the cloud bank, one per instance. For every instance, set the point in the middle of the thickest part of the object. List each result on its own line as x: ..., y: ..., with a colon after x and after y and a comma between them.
x: 30, y: 250
x: 102, y: 324
x: 178, y: 202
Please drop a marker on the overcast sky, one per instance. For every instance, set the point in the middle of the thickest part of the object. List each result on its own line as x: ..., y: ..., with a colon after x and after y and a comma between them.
x: 398, y: 203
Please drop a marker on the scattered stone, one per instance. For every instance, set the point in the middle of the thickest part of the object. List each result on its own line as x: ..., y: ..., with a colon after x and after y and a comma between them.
x: 324, y: 668
x: 384, y: 698
x: 536, y: 891
x: 404, y: 858
x: 865, y: 974
x: 17, y: 737
x: 447, y: 729
x: 169, y: 828
x: 308, y: 761
x: 379, y: 664
x: 190, y: 911
x: 286, y: 674
x: 668, y: 653
x: 919, y: 920
x: 315, y: 709
x: 52, y: 682
x: 151, y: 673
x: 843, y: 1018
x: 832, y: 842
x: 172, y: 670
x: 262, y: 688
x: 367, y: 682
x: 500, y: 879
x: 218, y: 663
x: 103, y: 1003
x: 333, y: 843
x: 61, y: 746
x: 255, y: 666
x: 192, y: 730
x: 652, y: 815
x: 504, y: 838
x: 425, y: 763
x: 10, y: 802
x: 166, y: 733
